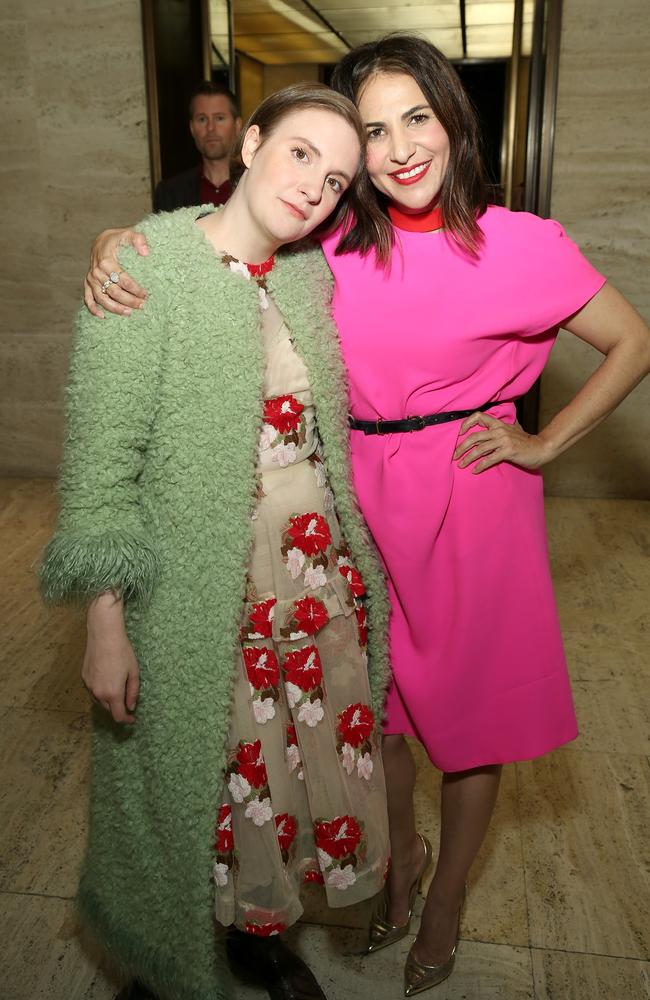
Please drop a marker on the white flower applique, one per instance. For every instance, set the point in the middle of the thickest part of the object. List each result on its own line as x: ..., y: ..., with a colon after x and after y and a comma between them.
x: 341, y: 878
x: 293, y: 758
x: 238, y: 267
x: 321, y: 475
x: 294, y: 693
x: 268, y: 434
x: 284, y: 454
x: 324, y: 859
x: 311, y: 712
x: 259, y: 810
x: 348, y: 757
x: 263, y: 710
x: 295, y: 562
x: 220, y: 873
x: 238, y: 787
x: 315, y: 577
x: 365, y: 767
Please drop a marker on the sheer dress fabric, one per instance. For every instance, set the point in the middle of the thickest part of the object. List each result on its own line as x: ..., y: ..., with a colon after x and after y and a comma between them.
x: 303, y: 795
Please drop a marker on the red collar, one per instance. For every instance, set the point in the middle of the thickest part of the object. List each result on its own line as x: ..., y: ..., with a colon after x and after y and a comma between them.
x: 258, y: 270
x: 424, y: 222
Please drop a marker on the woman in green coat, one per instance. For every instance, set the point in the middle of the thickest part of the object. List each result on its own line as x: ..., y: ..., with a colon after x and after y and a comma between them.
x: 207, y: 518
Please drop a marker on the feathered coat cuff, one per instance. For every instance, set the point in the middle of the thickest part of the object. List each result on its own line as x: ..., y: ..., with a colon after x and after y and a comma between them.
x: 79, y: 567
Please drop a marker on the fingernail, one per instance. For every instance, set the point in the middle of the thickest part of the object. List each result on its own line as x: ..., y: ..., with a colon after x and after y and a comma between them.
x: 126, y: 311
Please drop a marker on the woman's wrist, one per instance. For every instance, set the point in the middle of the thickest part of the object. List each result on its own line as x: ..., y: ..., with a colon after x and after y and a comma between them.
x: 105, y: 612
x: 550, y: 448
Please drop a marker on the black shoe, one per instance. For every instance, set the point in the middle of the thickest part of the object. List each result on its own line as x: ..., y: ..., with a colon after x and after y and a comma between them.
x: 135, y: 991
x: 269, y: 962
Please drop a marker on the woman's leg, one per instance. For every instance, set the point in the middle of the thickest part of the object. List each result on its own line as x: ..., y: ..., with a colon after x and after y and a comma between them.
x: 406, y: 847
x: 468, y: 799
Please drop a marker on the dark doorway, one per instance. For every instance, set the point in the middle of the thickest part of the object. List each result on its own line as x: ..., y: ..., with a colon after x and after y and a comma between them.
x: 485, y: 83
x: 175, y: 35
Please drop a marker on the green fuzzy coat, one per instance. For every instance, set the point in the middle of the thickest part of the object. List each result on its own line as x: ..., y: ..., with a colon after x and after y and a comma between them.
x: 156, y: 493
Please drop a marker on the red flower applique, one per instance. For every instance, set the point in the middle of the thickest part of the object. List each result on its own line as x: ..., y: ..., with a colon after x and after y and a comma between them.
x: 303, y: 668
x: 262, y: 667
x: 264, y: 930
x: 362, y: 624
x: 224, y: 839
x: 283, y: 413
x: 355, y: 724
x: 286, y: 827
x: 354, y: 579
x: 310, y: 533
x: 310, y: 615
x: 338, y: 837
x: 261, y: 619
x: 251, y: 764
x: 292, y: 739
x: 311, y: 875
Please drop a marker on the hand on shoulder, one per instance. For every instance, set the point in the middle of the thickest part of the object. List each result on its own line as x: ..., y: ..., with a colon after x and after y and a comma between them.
x: 107, y: 285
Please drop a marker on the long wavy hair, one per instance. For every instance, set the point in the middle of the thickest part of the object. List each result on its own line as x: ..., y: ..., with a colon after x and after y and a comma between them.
x: 464, y: 193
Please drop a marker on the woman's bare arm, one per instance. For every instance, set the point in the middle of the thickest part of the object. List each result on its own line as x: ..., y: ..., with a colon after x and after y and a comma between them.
x: 613, y: 326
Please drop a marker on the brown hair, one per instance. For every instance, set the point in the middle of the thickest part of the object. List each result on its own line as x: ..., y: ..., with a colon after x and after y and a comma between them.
x: 207, y: 88
x: 358, y: 201
x: 464, y: 192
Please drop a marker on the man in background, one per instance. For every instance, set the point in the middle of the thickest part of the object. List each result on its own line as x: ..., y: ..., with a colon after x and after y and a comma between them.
x: 215, y: 123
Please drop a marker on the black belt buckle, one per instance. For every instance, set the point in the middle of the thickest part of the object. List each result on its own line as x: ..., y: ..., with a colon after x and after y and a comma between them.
x: 419, y: 422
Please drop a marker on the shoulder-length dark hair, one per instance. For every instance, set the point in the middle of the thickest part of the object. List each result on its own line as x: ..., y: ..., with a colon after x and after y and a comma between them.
x: 464, y: 192
x: 358, y: 202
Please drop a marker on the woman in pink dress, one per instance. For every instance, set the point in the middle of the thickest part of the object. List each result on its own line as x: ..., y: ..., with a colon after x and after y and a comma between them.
x: 447, y: 311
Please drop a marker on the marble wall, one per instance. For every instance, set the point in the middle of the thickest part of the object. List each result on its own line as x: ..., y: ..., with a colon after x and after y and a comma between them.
x: 74, y: 159
x: 601, y: 193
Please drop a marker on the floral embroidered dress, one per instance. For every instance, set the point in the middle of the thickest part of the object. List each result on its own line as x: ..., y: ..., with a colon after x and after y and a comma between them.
x: 303, y: 795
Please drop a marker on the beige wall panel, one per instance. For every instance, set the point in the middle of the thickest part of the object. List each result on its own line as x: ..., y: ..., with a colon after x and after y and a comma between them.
x: 33, y: 373
x: 251, y: 85
x: 74, y: 159
x: 277, y: 77
x: 601, y: 193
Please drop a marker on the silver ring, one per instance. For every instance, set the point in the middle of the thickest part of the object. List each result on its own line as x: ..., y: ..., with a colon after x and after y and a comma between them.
x: 114, y: 278
x: 106, y: 285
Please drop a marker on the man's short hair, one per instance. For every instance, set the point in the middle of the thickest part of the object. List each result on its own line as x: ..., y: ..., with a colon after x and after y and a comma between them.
x: 209, y: 89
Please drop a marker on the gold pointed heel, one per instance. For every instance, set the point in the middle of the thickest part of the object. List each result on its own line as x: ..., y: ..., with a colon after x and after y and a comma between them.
x: 419, y: 977
x: 381, y: 933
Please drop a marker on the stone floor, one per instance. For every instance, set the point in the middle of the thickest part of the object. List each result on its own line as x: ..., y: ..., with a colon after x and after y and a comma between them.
x: 559, y: 900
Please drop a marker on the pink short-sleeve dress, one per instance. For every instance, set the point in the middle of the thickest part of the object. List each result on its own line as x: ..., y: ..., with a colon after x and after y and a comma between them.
x: 479, y: 670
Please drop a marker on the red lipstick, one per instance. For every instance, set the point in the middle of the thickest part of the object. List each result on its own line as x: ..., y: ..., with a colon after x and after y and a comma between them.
x: 416, y: 177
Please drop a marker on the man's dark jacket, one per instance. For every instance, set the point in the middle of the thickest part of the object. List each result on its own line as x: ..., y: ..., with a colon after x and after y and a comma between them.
x: 178, y: 192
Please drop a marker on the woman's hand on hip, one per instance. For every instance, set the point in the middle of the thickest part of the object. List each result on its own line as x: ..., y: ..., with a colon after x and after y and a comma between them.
x: 110, y: 670
x: 497, y: 442
x: 101, y: 290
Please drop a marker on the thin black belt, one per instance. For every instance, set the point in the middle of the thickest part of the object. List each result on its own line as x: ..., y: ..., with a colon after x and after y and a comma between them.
x: 415, y: 423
